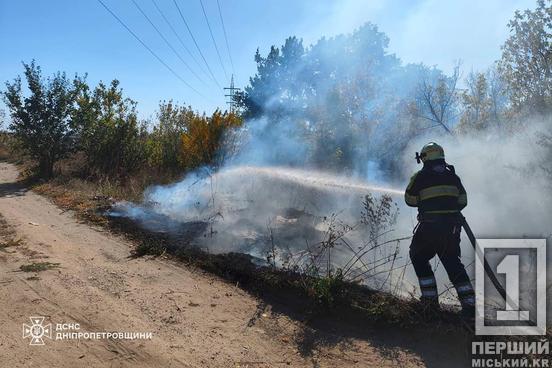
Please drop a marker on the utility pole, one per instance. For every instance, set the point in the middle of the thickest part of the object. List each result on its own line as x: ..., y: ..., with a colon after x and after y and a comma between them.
x: 232, y: 92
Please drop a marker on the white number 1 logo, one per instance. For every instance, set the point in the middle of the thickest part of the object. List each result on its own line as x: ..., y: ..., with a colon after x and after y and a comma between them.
x: 510, y: 267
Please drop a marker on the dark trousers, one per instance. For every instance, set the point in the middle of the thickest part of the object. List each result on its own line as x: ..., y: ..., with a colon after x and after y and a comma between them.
x: 441, y: 239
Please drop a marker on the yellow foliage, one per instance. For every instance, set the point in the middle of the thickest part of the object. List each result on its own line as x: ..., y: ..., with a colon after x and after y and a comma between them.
x: 204, y: 136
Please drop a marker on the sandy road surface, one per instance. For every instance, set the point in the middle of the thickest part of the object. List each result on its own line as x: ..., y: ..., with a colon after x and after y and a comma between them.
x: 197, y: 320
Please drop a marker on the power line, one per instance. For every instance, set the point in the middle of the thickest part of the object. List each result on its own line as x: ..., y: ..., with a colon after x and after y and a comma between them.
x: 195, y: 43
x: 226, y: 38
x: 213, y: 38
x: 150, y: 50
x: 178, y: 37
x: 167, y: 42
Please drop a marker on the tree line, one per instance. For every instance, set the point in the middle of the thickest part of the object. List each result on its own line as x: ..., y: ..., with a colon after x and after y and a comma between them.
x: 60, y: 116
x: 346, y: 100
x: 352, y: 100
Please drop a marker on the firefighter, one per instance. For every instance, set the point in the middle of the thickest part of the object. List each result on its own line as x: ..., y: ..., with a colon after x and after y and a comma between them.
x: 440, y: 196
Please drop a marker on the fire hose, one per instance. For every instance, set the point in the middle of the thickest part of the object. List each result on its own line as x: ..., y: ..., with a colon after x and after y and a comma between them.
x: 486, y: 265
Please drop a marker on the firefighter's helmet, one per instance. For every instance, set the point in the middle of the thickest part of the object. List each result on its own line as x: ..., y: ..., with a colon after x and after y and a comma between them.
x: 432, y: 151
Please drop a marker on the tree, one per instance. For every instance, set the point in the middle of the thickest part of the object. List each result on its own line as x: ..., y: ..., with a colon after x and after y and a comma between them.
x: 437, y: 99
x: 108, y: 129
x: 476, y: 103
x: 277, y: 86
x: 40, y: 121
x: 164, y: 142
x: 332, y: 98
x: 498, y: 95
x: 484, y: 102
x: 202, y: 140
x: 526, y: 61
x: 2, y: 117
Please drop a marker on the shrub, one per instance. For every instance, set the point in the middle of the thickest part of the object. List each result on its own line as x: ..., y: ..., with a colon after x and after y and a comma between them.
x: 164, y: 143
x: 203, y: 138
x: 108, y: 130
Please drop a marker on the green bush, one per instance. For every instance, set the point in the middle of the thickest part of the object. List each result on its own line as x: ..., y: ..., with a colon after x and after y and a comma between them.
x: 164, y: 146
x: 41, y: 121
x: 61, y: 116
x: 108, y: 130
x: 327, y: 291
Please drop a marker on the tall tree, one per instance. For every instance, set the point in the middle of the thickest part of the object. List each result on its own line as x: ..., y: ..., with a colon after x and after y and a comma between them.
x: 40, y: 121
x: 332, y: 98
x: 476, y: 103
x: 437, y: 100
x: 498, y: 95
x: 484, y: 102
x: 527, y: 59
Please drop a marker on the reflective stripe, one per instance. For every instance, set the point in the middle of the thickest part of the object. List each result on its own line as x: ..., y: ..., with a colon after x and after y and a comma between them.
x: 429, y: 292
x: 463, y: 199
x: 443, y: 211
x: 439, y: 191
x: 464, y: 288
x: 412, y: 179
x: 410, y: 199
x: 469, y: 300
x: 426, y: 281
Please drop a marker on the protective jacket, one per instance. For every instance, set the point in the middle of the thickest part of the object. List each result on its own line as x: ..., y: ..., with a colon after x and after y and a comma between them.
x: 436, y: 189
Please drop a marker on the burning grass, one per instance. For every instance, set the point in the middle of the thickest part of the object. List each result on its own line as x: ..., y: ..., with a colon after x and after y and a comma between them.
x: 307, y: 281
x: 313, y: 287
x: 321, y: 296
x: 319, y: 290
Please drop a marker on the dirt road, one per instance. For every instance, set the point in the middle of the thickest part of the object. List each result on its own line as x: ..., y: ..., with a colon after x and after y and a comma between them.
x: 196, y: 319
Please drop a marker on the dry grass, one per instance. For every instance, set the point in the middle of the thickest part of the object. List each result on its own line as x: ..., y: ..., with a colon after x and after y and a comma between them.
x: 5, y: 153
x: 8, y: 236
x: 330, y: 294
x: 90, y: 198
x: 5, y: 229
x: 79, y: 196
x: 74, y: 187
x: 10, y: 243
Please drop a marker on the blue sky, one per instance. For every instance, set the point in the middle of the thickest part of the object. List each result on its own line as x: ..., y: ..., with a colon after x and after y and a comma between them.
x: 81, y: 36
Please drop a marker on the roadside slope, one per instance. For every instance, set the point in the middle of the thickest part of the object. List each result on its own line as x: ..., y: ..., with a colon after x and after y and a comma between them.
x: 197, y: 320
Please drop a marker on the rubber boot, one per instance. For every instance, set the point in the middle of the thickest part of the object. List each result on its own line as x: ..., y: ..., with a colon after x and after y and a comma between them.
x: 466, y: 296
x: 430, y: 296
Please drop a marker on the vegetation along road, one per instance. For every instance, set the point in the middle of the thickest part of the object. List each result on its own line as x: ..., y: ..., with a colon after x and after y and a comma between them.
x: 53, y: 266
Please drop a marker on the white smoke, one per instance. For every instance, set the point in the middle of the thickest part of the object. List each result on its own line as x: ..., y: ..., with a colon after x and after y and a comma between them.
x: 509, y: 194
x: 270, y: 194
x: 509, y: 197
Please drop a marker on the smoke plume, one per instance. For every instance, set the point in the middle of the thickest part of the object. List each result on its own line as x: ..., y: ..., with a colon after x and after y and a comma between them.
x: 275, y: 193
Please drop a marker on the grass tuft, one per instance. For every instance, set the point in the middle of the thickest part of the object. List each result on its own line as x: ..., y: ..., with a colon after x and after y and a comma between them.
x: 38, y: 266
x: 11, y: 243
x: 150, y: 247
